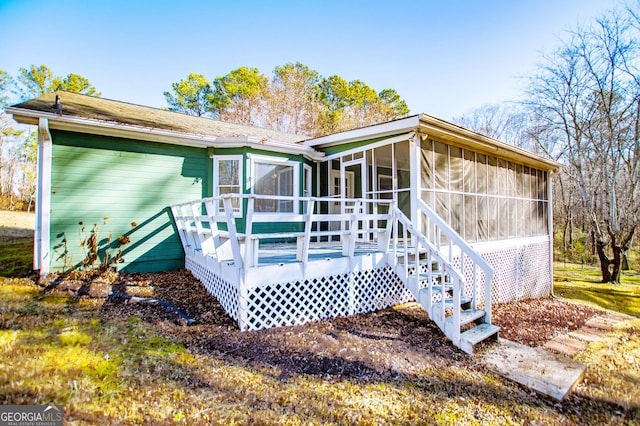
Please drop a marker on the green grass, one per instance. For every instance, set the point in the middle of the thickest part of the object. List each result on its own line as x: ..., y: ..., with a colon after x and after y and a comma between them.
x: 583, y: 285
x: 16, y: 257
x: 108, y: 370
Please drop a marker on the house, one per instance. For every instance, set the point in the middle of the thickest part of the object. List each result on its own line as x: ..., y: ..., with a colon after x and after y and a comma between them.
x: 283, y: 229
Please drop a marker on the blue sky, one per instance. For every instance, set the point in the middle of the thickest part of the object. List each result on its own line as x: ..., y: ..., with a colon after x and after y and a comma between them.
x: 443, y: 57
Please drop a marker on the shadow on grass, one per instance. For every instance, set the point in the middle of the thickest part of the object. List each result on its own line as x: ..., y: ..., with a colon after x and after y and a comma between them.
x: 16, y: 257
x: 343, y: 359
x: 623, y: 299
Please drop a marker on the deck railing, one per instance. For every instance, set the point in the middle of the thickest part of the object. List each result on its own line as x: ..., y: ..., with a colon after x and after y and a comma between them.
x: 215, y: 226
x: 456, y: 247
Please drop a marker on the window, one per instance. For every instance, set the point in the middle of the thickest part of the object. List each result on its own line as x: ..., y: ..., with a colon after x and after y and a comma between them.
x: 227, y: 178
x: 278, y: 179
x: 481, y: 196
x: 385, y: 187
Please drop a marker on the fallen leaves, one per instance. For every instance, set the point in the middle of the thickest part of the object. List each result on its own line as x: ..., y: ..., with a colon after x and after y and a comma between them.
x: 533, y: 322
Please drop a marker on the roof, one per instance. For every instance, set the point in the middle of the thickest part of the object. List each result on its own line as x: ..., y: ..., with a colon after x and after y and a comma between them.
x: 89, y: 114
x: 437, y: 129
x: 109, y: 111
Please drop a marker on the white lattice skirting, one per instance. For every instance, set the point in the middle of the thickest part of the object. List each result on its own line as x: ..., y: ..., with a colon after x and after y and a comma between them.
x: 522, y: 270
x: 298, y: 302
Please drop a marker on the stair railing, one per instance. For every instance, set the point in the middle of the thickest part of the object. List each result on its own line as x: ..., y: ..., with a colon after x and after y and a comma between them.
x: 456, y: 245
x: 415, y: 242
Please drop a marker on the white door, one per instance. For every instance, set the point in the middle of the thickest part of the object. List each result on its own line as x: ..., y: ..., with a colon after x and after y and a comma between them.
x: 355, y: 184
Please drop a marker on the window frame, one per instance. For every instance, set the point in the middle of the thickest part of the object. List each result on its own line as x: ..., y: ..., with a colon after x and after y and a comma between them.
x: 237, y: 211
x: 278, y: 161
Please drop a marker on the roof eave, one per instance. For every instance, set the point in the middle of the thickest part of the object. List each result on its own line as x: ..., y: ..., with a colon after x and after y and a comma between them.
x: 114, y: 129
x: 391, y: 128
x: 446, y: 131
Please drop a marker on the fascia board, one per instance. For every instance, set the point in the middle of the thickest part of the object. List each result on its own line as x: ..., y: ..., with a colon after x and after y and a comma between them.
x: 97, y: 127
x: 371, y: 132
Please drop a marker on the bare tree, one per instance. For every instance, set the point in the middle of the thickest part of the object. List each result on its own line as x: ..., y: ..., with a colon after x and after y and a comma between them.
x: 509, y: 122
x: 587, y: 94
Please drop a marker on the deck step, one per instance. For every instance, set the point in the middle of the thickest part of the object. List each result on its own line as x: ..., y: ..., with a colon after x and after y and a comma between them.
x: 424, y: 276
x: 464, y: 300
x: 435, y: 289
x: 467, y: 316
x: 438, y: 288
x: 477, y: 334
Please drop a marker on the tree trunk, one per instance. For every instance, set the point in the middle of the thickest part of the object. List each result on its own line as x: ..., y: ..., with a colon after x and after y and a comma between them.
x: 604, y: 261
x: 617, y: 264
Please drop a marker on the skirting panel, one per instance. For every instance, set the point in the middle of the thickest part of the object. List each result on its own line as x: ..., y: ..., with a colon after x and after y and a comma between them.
x: 298, y: 302
x: 521, y: 271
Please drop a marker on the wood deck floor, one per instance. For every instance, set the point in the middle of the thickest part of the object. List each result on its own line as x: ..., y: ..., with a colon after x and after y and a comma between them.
x: 277, y: 253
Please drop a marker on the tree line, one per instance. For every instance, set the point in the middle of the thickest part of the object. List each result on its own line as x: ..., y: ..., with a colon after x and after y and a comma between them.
x: 18, y: 144
x: 296, y: 99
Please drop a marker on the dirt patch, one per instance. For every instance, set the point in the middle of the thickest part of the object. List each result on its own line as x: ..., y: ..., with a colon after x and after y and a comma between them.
x: 533, y: 322
x: 394, y: 342
x: 16, y: 224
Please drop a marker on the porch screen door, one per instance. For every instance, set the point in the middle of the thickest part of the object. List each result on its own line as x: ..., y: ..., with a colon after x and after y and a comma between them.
x: 355, y: 183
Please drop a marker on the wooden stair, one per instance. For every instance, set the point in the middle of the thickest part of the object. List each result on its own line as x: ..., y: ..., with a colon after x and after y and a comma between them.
x: 439, y: 287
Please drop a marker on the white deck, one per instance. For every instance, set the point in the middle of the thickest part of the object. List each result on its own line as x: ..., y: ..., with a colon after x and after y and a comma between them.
x: 369, y: 261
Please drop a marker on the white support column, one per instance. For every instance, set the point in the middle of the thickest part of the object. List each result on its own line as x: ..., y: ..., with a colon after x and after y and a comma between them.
x: 416, y: 180
x: 41, y: 255
x: 550, y: 223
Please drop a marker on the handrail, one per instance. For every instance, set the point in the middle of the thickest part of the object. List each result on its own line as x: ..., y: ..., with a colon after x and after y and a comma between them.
x: 456, y: 278
x: 465, y: 250
x: 453, y: 235
x: 447, y: 268
x: 406, y: 223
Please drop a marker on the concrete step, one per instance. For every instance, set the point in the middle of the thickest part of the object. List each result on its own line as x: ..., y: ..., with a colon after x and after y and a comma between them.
x: 549, y: 374
x: 477, y: 334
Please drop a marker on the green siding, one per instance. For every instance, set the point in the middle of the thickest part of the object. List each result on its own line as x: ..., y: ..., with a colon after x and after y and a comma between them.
x: 127, y: 181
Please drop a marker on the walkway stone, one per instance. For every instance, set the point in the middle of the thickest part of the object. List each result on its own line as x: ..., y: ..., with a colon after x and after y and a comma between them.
x: 588, y: 334
x: 565, y: 345
x: 561, y: 348
x: 595, y: 329
x: 550, y: 374
x: 549, y: 370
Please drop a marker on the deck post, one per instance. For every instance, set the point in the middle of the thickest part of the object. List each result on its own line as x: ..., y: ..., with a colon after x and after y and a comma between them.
x: 415, y: 176
x: 251, y: 246
x: 303, y: 249
x: 233, y: 237
x: 42, y: 241
x: 550, y: 223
